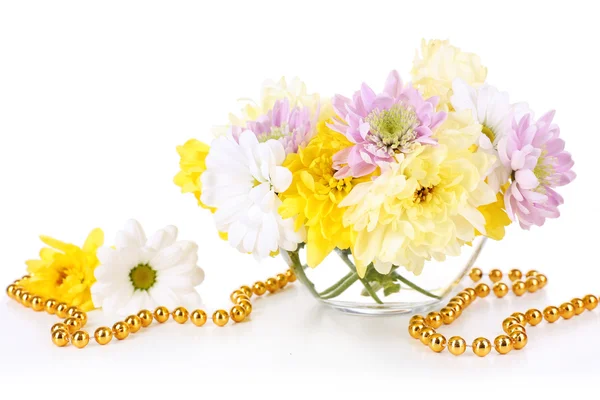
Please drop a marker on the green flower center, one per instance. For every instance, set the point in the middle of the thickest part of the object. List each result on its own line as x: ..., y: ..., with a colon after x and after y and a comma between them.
x: 543, y: 171
x: 276, y: 133
x: 488, y: 132
x: 393, y: 129
x: 142, y: 277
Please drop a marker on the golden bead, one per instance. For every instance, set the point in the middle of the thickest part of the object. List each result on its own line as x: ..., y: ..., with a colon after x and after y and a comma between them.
x: 59, y: 326
x: 434, y: 319
x: 448, y: 315
x: 281, y: 280
x: 532, y: 284
x: 50, y: 306
x: 247, y: 306
x: 533, y: 317
x: 459, y: 300
x: 60, y: 338
x: 181, y: 315
x: 235, y: 294
x: 482, y: 290
x: 414, y: 329
x: 198, y: 317
x: 466, y: 297
x: 72, y: 310
x: 476, y: 274
x: 121, y: 330
x: 416, y: 319
x: 516, y: 328
x: 437, y: 342
x: 542, y: 279
x: 72, y: 324
x: 290, y: 275
x: 26, y: 299
x: 500, y: 289
x: 551, y: 314
x: 37, y: 303
x: 590, y: 301
x: 508, y: 322
x: 519, y: 340
x: 17, y: 293
x: 503, y: 344
x: 495, y: 275
x: 237, y: 313
x: 81, y: 316
x: 579, y: 306
x: 481, y: 347
x: 161, y: 314
x: 146, y: 318
x: 457, y: 345
x: 272, y: 285
x: 61, y: 310
x: 247, y: 290
x: 80, y: 339
x: 134, y: 322
x: 456, y: 307
x: 259, y: 288
x: 103, y: 335
x: 515, y: 274
x: 566, y: 310
x: 220, y: 317
x: 241, y: 298
x: 426, y: 334
x: 471, y: 292
x: 519, y: 288
x: 10, y: 290
x: 521, y: 317
x: 532, y: 272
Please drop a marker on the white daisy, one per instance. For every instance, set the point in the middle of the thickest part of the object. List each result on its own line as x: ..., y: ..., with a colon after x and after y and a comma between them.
x: 241, y: 181
x: 492, y: 109
x: 139, y: 273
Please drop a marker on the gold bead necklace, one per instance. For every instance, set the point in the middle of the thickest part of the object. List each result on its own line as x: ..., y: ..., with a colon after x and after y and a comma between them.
x: 515, y: 337
x: 71, y: 329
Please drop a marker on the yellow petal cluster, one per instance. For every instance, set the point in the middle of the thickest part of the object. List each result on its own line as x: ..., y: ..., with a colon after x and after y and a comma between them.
x: 314, y: 195
x: 439, y: 64
x: 424, y: 206
x: 192, y: 164
x: 496, y: 218
x: 65, y: 272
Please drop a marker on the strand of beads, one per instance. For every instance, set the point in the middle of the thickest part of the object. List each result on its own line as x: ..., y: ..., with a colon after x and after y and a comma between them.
x: 70, y: 330
x: 515, y: 337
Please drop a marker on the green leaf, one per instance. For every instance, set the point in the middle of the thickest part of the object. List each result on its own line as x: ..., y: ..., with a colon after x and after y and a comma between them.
x: 377, y: 281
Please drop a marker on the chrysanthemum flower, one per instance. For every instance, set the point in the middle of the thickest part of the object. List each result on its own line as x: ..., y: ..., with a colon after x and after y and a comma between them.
x: 439, y: 64
x: 315, y: 194
x: 535, y: 154
x: 381, y: 126
x: 141, y: 273
x: 425, y: 205
x: 242, y: 180
x: 65, y: 272
x: 293, y: 127
x: 192, y: 164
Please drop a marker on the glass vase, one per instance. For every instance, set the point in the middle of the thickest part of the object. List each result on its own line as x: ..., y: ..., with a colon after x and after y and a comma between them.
x: 336, y: 283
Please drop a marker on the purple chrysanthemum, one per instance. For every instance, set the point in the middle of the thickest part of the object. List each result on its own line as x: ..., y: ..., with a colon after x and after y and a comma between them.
x: 536, y: 156
x: 293, y: 127
x: 382, y: 125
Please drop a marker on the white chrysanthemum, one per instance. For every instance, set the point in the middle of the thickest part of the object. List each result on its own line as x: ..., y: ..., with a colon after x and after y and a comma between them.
x: 140, y: 273
x: 242, y: 181
x: 425, y: 205
x: 492, y: 109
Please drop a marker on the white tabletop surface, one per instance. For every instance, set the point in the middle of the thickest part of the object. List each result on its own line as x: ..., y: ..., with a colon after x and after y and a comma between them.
x: 94, y: 99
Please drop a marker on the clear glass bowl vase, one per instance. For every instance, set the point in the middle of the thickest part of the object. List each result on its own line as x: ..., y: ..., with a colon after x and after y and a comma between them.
x: 336, y: 283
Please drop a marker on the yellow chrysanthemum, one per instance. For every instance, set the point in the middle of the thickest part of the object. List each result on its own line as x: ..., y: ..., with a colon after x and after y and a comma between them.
x: 65, y: 272
x: 496, y: 218
x: 192, y: 164
x: 439, y: 64
x: 314, y: 195
x: 424, y: 206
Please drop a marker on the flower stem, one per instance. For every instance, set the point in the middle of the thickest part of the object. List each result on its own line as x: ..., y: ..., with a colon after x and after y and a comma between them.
x: 337, y: 284
x: 341, y: 288
x: 344, y: 256
x: 415, y: 287
x: 296, y: 265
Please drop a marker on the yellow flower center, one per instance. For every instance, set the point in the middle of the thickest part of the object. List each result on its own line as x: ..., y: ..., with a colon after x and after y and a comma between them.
x: 488, y: 132
x: 321, y: 167
x: 423, y: 195
x: 142, y: 277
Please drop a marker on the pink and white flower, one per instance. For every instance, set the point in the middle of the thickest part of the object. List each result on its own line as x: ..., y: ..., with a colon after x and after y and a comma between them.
x: 535, y: 154
x: 382, y: 125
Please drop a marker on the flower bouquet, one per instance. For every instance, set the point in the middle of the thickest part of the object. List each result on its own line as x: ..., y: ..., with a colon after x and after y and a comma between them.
x: 420, y: 173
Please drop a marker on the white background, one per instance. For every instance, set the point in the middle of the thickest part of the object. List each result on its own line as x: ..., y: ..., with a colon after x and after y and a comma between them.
x: 94, y: 97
